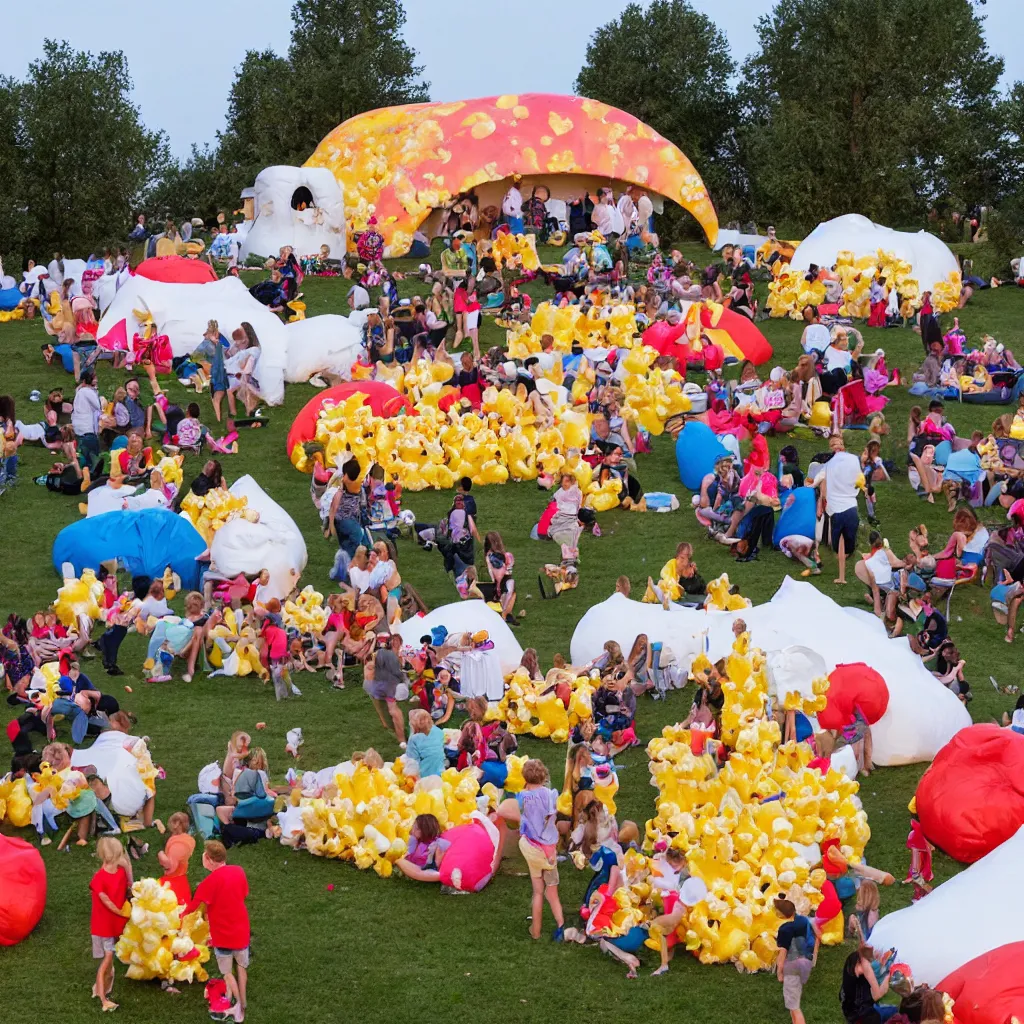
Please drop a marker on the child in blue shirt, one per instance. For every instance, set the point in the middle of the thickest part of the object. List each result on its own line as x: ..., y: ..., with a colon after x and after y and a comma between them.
x: 425, y: 748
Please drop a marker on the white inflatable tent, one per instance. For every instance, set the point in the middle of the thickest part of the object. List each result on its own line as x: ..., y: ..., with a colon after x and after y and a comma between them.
x: 181, y: 311
x: 930, y: 257
x: 467, y: 617
x: 278, y: 220
x: 274, y: 543
x: 971, y: 914
x: 922, y: 715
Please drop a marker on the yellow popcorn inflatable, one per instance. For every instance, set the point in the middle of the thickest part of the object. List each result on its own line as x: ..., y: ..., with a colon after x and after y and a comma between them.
x: 158, y: 942
x: 751, y: 830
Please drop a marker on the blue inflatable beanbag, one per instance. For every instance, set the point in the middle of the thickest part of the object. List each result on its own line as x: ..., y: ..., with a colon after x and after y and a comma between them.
x: 145, y: 542
x: 798, y: 517
x: 697, y: 448
x: 10, y: 298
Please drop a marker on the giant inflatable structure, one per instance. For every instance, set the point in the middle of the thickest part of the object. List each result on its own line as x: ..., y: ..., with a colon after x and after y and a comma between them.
x: 401, y: 164
x: 919, y: 717
x: 303, y: 207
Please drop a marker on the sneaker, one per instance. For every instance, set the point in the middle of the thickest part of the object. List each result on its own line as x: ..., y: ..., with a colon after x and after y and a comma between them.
x: 596, y: 532
x: 296, y: 692
x: 159, y: 679
x: 114, y: 671
x: 558, y: 935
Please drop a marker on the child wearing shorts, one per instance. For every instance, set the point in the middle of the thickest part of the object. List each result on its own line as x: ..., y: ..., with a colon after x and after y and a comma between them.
x: 538, y: 841
x: 224, y: 891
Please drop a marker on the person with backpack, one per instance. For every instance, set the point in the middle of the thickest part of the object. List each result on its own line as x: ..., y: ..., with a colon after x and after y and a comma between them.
x: 798, y: 941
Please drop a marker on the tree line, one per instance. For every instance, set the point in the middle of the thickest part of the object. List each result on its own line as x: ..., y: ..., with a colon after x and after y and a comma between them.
x: 890, y: 108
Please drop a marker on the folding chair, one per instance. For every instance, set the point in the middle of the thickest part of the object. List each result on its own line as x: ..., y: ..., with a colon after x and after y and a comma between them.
x: 950, y: 585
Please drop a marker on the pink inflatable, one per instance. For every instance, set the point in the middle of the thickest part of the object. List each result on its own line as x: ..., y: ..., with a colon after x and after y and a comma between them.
x: 990, y: 988
x: 971, y: 799
x: 469, y: 862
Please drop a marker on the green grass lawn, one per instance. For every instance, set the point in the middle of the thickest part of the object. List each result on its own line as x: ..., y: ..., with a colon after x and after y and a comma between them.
x: 383, y: 950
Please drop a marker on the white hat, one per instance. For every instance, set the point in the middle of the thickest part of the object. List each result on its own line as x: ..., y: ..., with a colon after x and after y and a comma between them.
x: 777, y: 374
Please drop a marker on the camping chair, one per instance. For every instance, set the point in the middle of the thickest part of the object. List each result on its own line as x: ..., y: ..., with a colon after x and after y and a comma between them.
x: 852, y: 405
x: 950, y: 585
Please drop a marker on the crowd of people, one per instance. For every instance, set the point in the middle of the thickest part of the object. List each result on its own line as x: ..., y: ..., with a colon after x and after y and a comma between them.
x: 113, y: 444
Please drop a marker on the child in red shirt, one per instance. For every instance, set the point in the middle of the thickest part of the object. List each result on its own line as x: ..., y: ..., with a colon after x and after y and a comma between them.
x: 275, y: 650
x: 109, y: 888
x: 224, y: 891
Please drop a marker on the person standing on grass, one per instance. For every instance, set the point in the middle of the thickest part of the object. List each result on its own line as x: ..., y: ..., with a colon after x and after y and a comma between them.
x: 838, y: 481
x: 224, y: 891
x: 538, y: 842
x: 109, y: 888
x: 382, y: 684
x: 798, y: 941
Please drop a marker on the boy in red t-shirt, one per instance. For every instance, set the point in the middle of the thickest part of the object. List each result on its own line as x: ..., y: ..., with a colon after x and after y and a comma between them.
x: 224, y: 891
x: 109, y: 888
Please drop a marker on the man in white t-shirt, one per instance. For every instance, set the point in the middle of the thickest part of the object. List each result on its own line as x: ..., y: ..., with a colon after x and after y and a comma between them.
x: 512, y: 206
x: 606, y: 217
x: 839, y: 479
x: 815, y: 338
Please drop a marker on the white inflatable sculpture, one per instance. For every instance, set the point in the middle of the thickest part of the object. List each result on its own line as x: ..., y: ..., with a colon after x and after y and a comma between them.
x: 274, y: 543
x: 118, y: 767
x: 922, y: 715
x: 279, y: 220
x: 971, y: 914
x: 468, y: 617
x: 181, y: 311
x: 930, y: 257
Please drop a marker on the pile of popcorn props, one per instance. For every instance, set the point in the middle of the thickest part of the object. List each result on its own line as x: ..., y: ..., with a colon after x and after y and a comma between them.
x: 368, y: 819
x: 501, y: 441
x: 789, y: 292
x: 209, y: 512
x: 536, y: 707
x: 751, y: 830
x: 158, y: 942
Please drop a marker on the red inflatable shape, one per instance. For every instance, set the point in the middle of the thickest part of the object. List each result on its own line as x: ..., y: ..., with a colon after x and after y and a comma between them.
x: 829, y: 906
x: 662, y: 335
x: 23, y: 890
x: 176, y: 270
x: 990, y: 988
x: 971, y: 798
x: 853, y: 686
x: 382, y: 399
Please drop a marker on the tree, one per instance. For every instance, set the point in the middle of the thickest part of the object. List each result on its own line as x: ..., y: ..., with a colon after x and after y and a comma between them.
x: 345, y: 57
x: 670, y: 66
x: 349, y: 56
x: 881, y: 107
x: 87, y: 159
x: 202, y: 186
x: 12, y: 197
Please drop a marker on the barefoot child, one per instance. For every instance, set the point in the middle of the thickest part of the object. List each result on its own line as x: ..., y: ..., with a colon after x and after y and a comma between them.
x: 538, y: 839
x: 175, y: 855
x: 224, y: 891
x: 109, y: 888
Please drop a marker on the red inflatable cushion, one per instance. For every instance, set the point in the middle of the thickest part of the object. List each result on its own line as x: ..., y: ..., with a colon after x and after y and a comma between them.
x: 176, y: 270
x: 990, y: 988
x: 971, y: 798
x: 853, y: 686
x: 23, y: 890
x: 383, y: 400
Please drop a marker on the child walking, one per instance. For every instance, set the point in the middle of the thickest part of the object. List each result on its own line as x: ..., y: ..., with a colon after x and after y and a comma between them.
x: 175, y: 855
x: 109, y: 888
x: 224, y: 891
x: 538, y: 840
